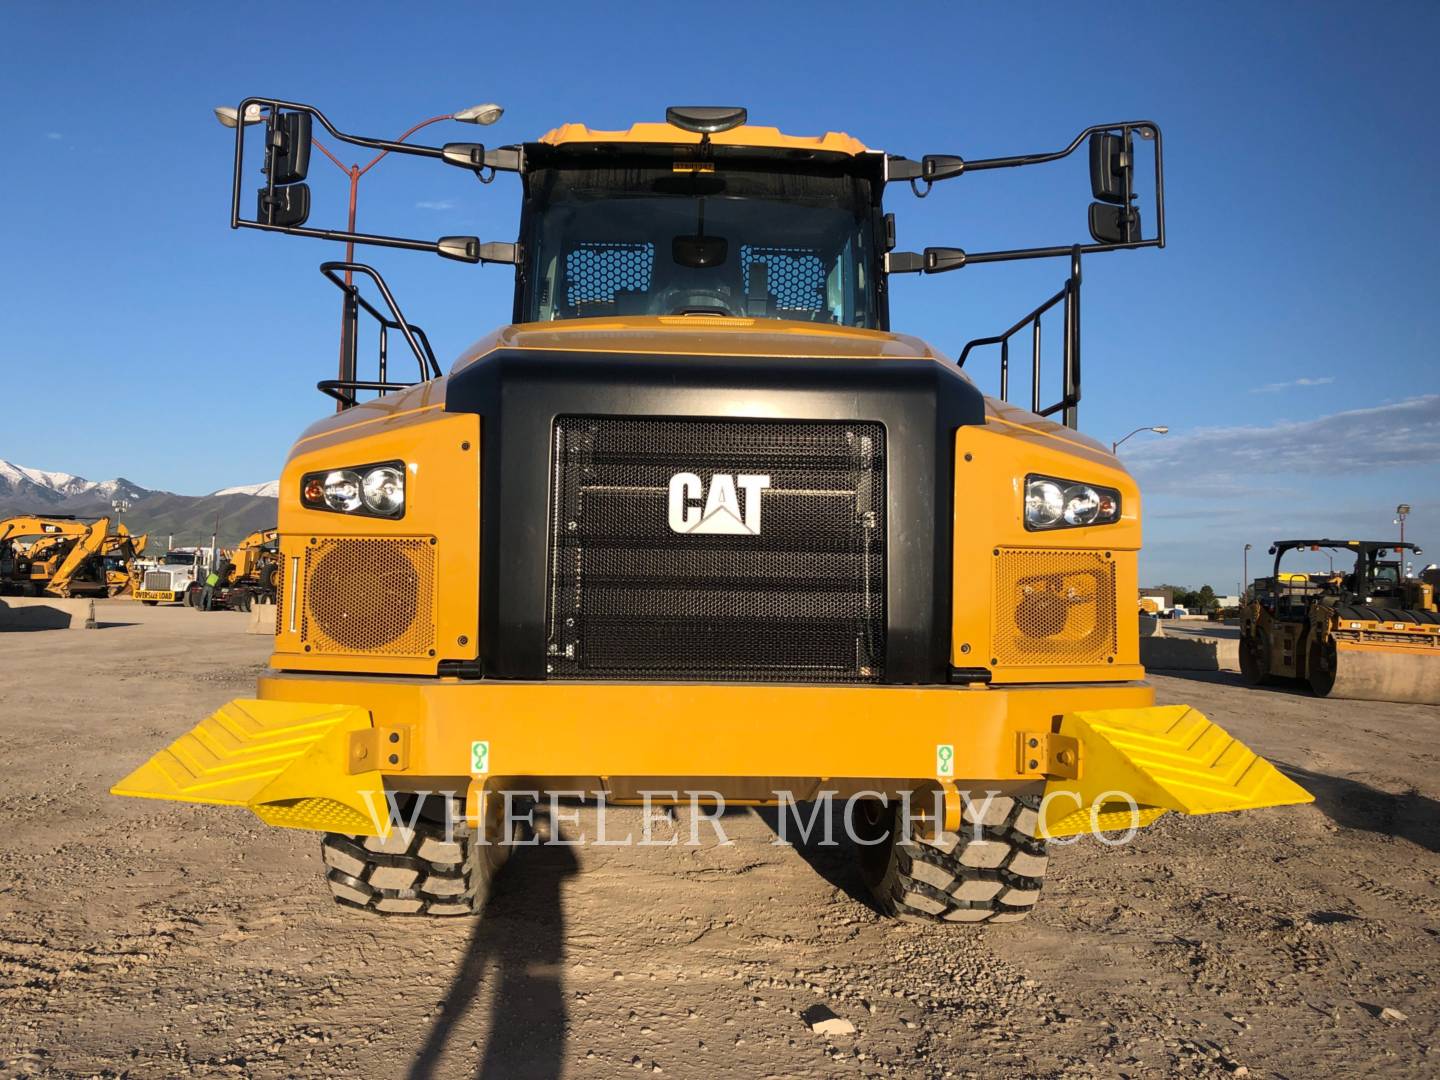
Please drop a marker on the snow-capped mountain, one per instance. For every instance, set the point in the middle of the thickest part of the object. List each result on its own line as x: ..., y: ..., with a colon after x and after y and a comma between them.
x: 52, y: 487
x: 270, y: 490
x: 233, y: 512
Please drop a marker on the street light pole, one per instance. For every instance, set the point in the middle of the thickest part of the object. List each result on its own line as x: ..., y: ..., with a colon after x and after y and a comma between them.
x: 1245, y: 573
x: 1161, y: 430
x: 349, y: 309
x: 1401, y: 513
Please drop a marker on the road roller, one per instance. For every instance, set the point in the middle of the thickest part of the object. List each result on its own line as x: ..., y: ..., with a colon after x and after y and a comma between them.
x: 1369, y: 633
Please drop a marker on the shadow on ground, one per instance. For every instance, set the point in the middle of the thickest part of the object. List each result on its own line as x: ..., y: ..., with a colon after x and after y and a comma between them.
x: 517, y: 946
x: 1352, y: 804
x: 837, y: 862
x: 1288, y: 687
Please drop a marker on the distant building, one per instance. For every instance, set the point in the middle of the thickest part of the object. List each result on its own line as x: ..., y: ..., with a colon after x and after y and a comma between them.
x: 1162, y: 598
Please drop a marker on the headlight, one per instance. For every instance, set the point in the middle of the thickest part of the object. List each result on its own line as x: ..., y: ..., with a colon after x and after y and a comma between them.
x: 384, y: 490
x: 1052, y: 503
x: 376, y: 490
x: 1044, y: 503
x: 342, y: 490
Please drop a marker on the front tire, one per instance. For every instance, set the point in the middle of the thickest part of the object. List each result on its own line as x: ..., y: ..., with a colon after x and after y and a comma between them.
x: 1321, y: 668
x: 990, y: 872
x: 1254, y: 668
x: 413, y: 872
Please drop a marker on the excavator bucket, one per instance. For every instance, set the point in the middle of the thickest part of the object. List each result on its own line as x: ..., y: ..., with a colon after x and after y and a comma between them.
x: 290, y: 763
x: 1382, y: 673
x: 1136, y: 764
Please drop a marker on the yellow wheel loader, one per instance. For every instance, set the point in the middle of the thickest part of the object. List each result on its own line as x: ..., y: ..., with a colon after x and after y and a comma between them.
x: 699, y: 527
x: 1367, y: 633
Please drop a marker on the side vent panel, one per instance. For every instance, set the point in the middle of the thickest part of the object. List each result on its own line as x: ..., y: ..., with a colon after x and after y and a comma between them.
x: 1053, y: 607
x: 364, y: 595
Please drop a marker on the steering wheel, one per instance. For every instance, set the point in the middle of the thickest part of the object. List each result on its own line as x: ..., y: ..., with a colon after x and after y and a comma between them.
x: 687, y: 300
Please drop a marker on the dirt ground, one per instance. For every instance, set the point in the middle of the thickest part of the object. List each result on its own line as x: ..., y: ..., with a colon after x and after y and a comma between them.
x: 153, y: 940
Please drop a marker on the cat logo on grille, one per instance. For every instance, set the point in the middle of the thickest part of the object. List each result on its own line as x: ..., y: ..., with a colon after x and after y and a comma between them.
x: 722, y: 513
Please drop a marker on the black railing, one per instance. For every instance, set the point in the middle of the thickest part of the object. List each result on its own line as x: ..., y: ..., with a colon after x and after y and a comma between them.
x: 344, y: 390
x: 1069, y: 296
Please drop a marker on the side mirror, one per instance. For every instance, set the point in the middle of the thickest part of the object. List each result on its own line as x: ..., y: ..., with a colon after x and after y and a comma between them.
x: 1112, y: 162
x: 1112, y: 173
x: 288, y: 159
x: 1114, y: 224
x: 285, y: 206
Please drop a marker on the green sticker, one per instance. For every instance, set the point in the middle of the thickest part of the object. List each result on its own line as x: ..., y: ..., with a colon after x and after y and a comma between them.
x: 944, y: 760
x: 479, y: 757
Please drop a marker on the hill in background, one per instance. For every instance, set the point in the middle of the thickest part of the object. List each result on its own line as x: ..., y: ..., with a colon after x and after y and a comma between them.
x: 191, y: 519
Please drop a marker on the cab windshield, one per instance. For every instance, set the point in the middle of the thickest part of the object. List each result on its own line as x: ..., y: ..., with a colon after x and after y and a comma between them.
x: 738, y: 241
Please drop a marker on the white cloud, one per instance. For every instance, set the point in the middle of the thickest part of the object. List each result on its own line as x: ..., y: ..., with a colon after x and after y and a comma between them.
x: 53, y: 135
x: 1209, y: 462
x: 436, y: 204
x: 1211, y: 490
x: 1271, y: 388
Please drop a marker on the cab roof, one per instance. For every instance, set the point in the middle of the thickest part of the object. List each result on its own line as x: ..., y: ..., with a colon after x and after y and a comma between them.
x: 747, y: 135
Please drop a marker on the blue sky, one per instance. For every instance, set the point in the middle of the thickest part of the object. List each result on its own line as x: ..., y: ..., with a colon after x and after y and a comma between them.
x: 1285, y: 335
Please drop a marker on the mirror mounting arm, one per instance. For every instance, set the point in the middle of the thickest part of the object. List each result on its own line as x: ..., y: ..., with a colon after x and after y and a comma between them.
x: 477, y: 158
x: 933, y: 260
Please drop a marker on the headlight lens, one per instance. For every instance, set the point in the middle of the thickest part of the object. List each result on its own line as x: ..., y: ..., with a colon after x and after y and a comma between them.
x: 342, y: 490
x: 374, y: 490
x: 384, y: 490
x: 1082, y: 505
x: 1044, y: 503
x: 1053, y: 503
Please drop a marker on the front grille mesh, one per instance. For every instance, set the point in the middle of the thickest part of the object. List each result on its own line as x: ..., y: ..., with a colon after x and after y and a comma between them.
x: 367, y: 595
x: 1053, y: 607
x: 801, y: 599
x: 157, y: 581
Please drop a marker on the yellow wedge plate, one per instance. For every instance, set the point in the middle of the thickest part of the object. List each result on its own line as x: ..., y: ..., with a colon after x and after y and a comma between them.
x: 286, y: 761
x: 1163, y: 758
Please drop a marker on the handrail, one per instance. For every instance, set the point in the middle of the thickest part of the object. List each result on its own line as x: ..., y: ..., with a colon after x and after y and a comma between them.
x: 1069, y: 295
x: 354, y: 304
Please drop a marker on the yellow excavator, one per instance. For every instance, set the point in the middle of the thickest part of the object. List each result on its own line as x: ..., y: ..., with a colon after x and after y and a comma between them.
x: 1369, y: 633
x: 61, y: 556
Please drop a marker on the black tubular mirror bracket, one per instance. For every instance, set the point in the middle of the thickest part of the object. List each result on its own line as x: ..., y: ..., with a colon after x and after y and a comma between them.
x: 343, y: 390
x: 274, y: 111
x: 936, y: 167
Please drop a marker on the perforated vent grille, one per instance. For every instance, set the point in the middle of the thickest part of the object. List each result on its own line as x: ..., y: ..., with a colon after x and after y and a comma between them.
x: 796, y: 275
x: 369, y: 596
x: 767, y: 563
x: 596, y: 272
x: 1053, y: 607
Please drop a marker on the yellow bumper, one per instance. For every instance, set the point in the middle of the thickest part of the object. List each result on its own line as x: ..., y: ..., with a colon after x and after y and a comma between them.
x: 161, y: 596
x: 318, y: 753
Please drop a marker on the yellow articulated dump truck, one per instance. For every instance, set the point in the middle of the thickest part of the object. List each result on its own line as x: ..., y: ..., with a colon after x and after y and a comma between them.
x: 1367, y: 632
x: 699, y: 525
